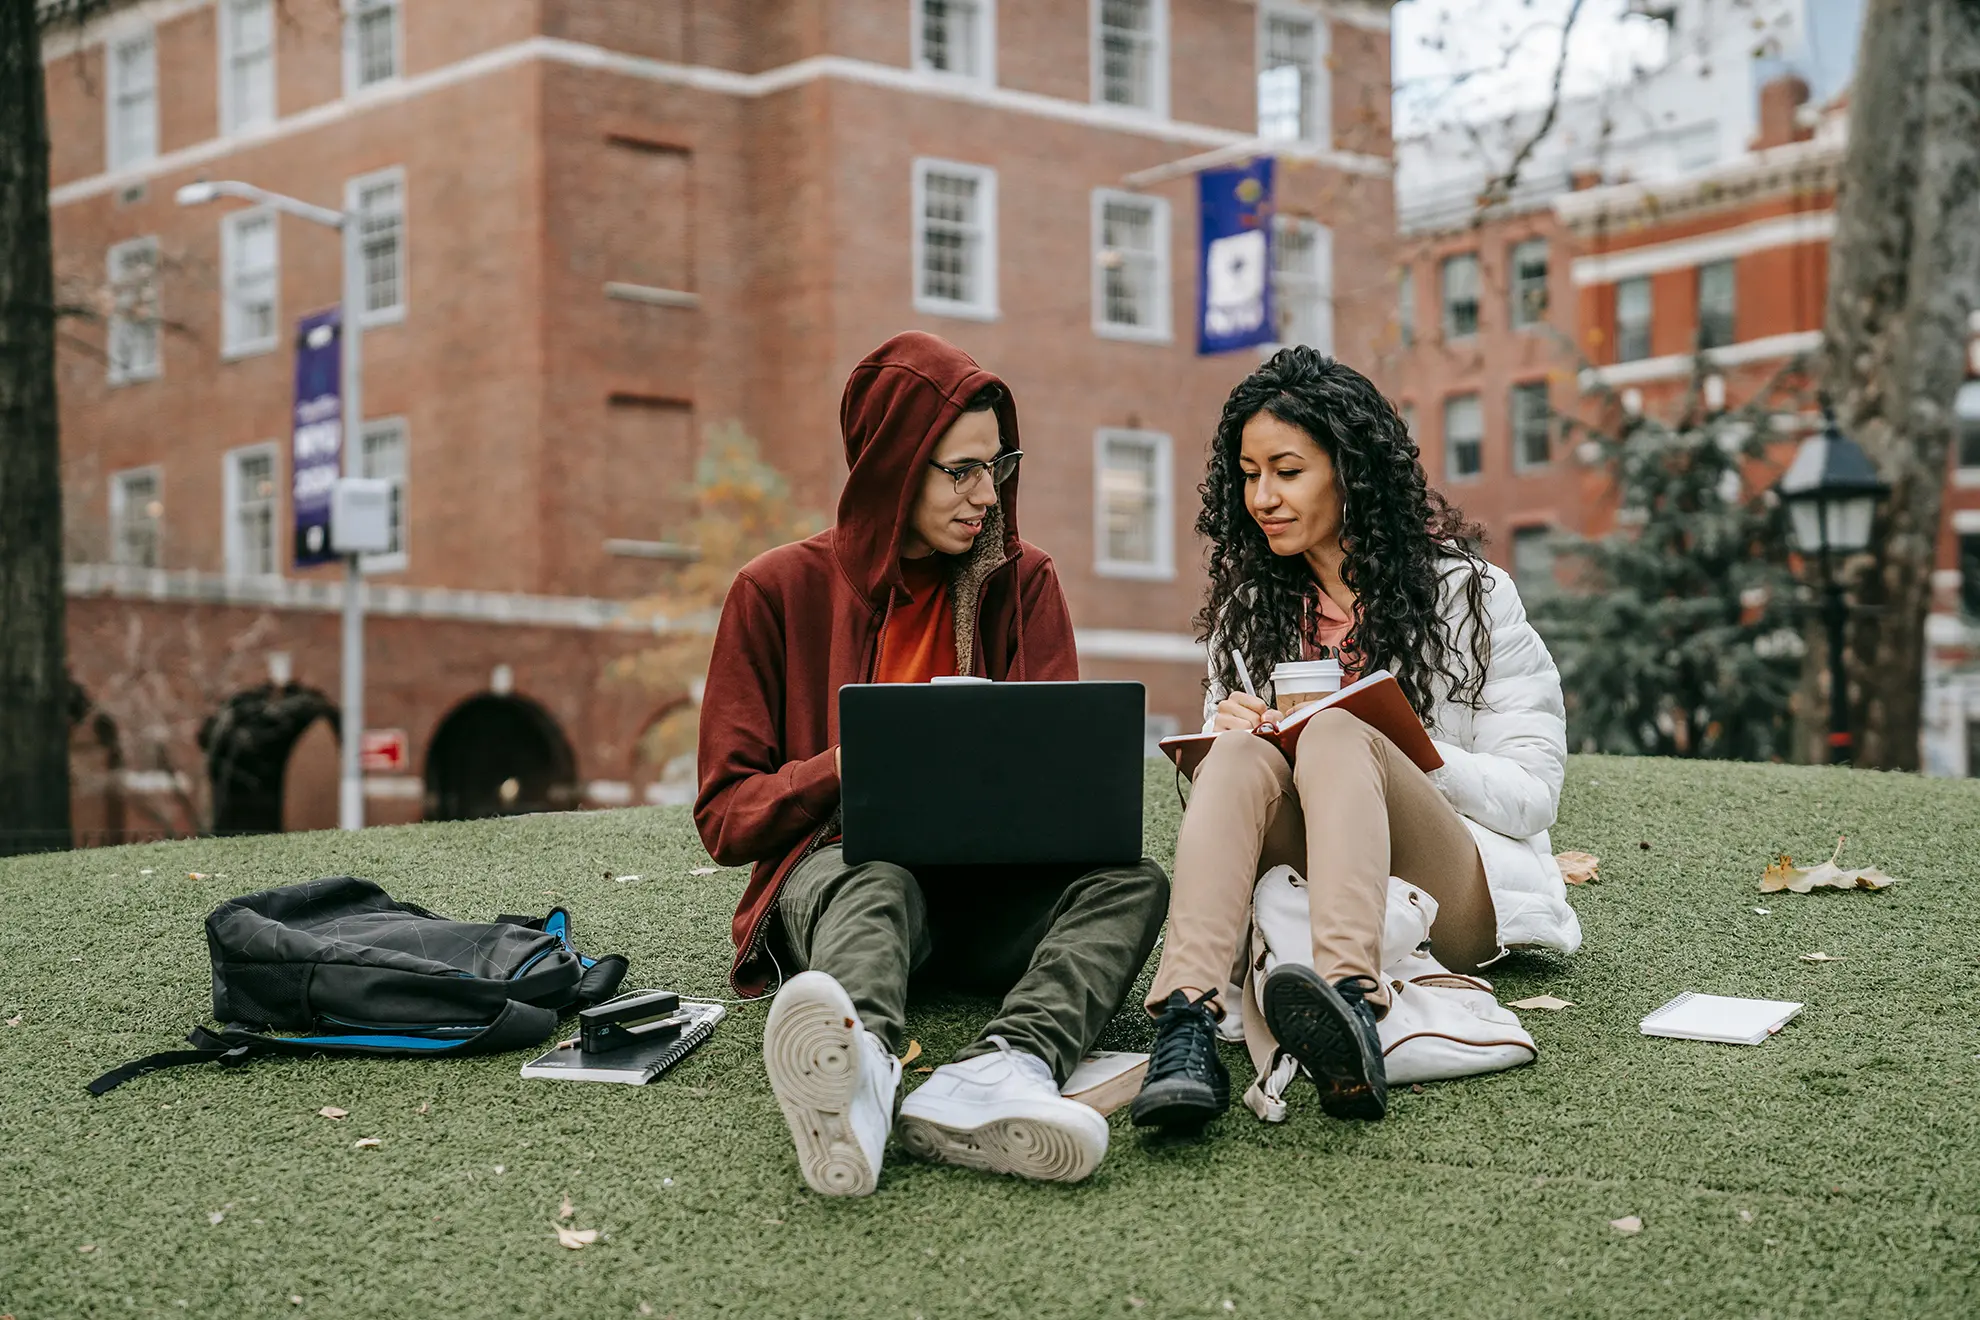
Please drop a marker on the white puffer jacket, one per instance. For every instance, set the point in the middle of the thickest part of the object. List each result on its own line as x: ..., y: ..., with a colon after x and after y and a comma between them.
x: 1503, y: 763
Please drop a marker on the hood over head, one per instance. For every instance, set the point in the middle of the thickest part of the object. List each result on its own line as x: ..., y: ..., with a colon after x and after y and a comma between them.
x: 899, y: 401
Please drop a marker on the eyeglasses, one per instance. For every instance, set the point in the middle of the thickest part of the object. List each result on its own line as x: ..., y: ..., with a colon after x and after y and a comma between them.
x: 1000, y: 469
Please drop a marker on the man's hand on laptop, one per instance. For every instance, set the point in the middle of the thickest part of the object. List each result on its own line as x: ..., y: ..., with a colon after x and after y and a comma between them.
x: 1241, y: 710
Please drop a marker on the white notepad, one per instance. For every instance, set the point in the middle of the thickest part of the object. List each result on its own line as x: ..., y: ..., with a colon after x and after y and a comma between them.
x: 1731, y: 1021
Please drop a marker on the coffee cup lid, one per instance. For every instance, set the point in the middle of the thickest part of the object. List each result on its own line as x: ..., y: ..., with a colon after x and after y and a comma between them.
x: 1297, y: 669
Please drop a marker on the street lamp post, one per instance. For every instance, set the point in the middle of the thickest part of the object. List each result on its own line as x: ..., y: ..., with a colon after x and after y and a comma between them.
x: 350, y: 785
x: 1831, y: 491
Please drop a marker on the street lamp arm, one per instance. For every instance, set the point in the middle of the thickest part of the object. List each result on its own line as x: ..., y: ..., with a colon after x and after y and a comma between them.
x: 197, y: 194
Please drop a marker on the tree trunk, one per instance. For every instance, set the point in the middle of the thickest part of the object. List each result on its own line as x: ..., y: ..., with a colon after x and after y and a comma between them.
x: 1904, y: 274
x: 34, y: 705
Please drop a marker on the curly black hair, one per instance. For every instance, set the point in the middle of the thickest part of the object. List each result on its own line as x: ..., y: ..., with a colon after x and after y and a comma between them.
x: 1394, y: 530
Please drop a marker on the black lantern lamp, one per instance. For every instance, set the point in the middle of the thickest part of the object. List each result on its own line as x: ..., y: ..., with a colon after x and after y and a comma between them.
x: 1831, y: 491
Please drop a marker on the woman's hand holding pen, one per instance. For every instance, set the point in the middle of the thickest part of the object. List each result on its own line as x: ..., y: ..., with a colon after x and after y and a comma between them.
x: 1241, y: 710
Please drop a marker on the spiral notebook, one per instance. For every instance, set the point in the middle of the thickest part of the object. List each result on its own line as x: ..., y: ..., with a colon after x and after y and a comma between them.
x: 1729, y: 1021
x: 635, y: 1065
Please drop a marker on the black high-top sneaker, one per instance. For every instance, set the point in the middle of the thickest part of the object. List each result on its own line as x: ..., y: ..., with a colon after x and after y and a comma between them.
x: 1331, y: 1030
x: 1187, y: 1084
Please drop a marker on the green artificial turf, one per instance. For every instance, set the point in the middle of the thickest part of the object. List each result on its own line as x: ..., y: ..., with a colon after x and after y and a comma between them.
x: 1833, y: 1171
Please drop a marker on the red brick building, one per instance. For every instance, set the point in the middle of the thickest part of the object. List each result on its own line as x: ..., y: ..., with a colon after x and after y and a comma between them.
x: 594, y: 231
x: 1610, y: 291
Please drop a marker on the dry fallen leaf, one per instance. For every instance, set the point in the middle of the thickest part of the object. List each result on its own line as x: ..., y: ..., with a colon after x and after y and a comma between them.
x: 423, y: 1107
x: 198, y: 875
x: 86, y: 1248
x: 1785, y: 875
x: 924, y: 1070
x: 575, y: 1238
x: 704, y: 870
x: 1821, y: 957
x: 216, y: 1217
x: 14, y: 1021
x: 331, y: 1111
x: 913, y: 1053
x: 1548, y: 1002
x: 363, y: 1142
x: 1577, y: 868
x: 1627, y: 1224
x: 566, y: 1210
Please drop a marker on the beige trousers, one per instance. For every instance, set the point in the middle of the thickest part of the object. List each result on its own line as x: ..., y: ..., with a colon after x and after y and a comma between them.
x: 1352, y: 813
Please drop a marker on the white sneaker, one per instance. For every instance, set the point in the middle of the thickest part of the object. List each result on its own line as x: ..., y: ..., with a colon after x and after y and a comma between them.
x: 835, y: 1082
x: 1002, y: 1113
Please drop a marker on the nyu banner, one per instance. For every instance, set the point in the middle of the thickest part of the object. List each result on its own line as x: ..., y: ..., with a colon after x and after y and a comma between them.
x: 1234, y: 278
x: 317, y: 439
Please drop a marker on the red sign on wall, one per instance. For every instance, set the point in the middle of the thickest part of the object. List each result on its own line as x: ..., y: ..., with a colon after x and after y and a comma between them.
x: 384, y: 751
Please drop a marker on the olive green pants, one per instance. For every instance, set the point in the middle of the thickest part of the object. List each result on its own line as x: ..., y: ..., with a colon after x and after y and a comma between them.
x: 1062, y: 947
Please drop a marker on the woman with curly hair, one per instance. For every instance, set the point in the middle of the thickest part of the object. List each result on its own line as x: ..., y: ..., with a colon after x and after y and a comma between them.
x: 1323, y: 533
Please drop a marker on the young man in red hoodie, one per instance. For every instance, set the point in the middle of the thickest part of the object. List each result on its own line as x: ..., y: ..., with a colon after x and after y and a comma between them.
x: 921, y: 576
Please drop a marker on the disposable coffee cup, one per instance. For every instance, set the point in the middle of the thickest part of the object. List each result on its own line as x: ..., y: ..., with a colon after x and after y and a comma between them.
x: 1297, y: 683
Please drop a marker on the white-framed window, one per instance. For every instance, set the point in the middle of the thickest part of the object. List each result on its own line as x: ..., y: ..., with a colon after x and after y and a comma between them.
x: 250, y: 278
x: 1529, y: 282
x: 247, y: 64
x: 1461, y: 295
x: 131, y: 98
x: 1532, y: 425
x: 1133, y: 504
x: 1966, y: 435
x: 251, y: 492
x: 137, y: 517
x: 1406, y: 306
x: 1633, y: 319
x: 1464, y: 437
x: 955, y: 37
x: 382, y: 456
x: 380, y: 201
x: 1533, y: 560
x: 955, y: 239
x: 1716, y: 304
x: 1303, y: 282
x: 133, y: 336
x: 1130, y: 266
x: 373, y: 43
x: 1293, y: 90
x: 1131, y: 54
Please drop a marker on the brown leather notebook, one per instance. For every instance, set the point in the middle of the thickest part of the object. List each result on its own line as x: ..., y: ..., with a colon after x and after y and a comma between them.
x: 1376, y: 700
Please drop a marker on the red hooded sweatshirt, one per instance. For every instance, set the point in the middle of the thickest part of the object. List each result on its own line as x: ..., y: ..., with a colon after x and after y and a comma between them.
x: 803, y: 620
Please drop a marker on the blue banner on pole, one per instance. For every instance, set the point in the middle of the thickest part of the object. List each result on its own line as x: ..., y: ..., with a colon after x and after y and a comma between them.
x: 1234, y: 277
x: 317, y: 436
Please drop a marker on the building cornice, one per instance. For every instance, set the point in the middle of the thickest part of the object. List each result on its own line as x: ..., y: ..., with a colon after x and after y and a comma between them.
x: 1678, y: 366
x: 312, y: 595
x: 727, y: 82
x: 1701, y: 249
x: 1797, y: 167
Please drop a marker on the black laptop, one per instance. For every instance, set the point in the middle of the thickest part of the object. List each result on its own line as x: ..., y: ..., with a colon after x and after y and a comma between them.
x: 975, y: 773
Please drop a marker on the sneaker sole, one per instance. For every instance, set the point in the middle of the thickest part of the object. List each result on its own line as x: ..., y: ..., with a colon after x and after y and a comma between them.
x: 1178, y: 1104
x: 811, y: 1050
x: 1311, y: 1020
x: 1043, y: 1146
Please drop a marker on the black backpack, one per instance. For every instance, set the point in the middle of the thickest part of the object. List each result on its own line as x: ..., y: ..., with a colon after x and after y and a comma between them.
x: 342, y: 958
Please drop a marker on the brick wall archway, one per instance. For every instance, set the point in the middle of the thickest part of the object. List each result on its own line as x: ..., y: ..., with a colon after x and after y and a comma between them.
x: 498, y: 756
